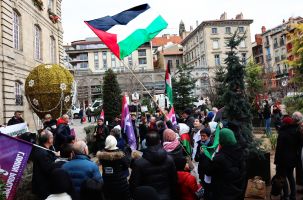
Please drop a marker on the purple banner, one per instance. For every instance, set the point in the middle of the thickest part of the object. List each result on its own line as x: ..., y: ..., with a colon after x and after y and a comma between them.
x: 13, y: 159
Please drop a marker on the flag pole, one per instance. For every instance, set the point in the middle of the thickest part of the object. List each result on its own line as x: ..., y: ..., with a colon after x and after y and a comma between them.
x: 132, y: 72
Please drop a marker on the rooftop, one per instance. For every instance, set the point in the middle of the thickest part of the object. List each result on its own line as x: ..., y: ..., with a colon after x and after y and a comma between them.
x: 166, y: 38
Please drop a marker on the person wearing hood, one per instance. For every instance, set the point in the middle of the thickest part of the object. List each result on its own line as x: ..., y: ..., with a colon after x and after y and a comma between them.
x: 156, y: 169
x: 114, y: 164
x: 172, y: 145
x: 227, y: 169
x: 63, y: 133
x: 287, y: 154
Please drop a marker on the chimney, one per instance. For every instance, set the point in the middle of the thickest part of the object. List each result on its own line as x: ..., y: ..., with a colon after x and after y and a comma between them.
x: 197, y: 23
x: 191, y: 28
x: 263, y: 29
x: 223, y: 16
x: 239, y: 16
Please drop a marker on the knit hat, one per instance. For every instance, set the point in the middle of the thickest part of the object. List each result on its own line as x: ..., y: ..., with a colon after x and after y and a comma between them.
x: 111, y: 143
x: 287, y: 120
x: 169, y: 135
x: 227, y: 137
x: 206, y: 131
x: 212, y: 126
x: 210, y: 115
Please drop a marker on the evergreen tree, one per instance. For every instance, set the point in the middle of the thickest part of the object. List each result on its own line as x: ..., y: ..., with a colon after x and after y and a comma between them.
x: 111, y: 95
x: 219, y: 86
x: 237, y: 108
x: 183, y: 88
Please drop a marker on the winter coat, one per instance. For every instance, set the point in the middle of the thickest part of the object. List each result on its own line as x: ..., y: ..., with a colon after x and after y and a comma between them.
x: 101, y: 132
x: 62, y: 196
x: 50, y: 125
x: 178, y: 152
x: 155, y: 169
x: 288, y: 146
x: 266, y: 112
x: 43, y: 165
x: 14, y: 121
x: 187, y: 186
x: 114, y: 164
x: 80, y: 169
x: 88, y: 112
x: 199, y: 157
x: 189, y: 121
x: 143, y: 129
x: 227, y: 171
x: 63, y: 134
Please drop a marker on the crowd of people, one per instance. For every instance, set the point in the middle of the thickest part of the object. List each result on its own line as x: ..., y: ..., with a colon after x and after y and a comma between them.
x: 170, y: 163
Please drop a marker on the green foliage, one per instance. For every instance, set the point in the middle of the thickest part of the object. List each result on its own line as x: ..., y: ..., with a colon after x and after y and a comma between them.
x: 293, y: 103
x: 237, y: 108
x: 253, y: 82
x: 220, y: 86
x: 273, y: 141
x: 111, y: 95
x: 147, y: 101
x: 183, y: 88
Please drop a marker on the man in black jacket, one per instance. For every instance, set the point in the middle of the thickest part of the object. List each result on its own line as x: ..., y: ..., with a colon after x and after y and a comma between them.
x: 63, y: 133
x: 16, y: 119
x: 155, y: 169
x: 43, y: 165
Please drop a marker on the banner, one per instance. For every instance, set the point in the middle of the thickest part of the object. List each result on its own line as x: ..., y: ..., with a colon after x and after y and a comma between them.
x: 13, y: 159
x: 14, y: 130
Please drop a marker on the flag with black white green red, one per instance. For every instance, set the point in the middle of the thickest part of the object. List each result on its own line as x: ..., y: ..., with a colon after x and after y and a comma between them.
x: 126, y: 31
x: 168, y: 86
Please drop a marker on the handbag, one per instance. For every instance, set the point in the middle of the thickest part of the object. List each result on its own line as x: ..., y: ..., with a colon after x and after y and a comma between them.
x: 256, y: 188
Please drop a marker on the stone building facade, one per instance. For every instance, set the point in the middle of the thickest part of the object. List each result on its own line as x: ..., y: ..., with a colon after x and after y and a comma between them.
x: 205, y: 49
x: 30, y: 34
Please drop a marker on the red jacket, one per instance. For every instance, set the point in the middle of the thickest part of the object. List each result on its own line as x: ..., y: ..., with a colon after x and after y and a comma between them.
x: 187, y: 186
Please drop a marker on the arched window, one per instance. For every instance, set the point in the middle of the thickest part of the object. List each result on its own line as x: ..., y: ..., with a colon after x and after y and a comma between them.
x: 16, y: 30
x: 18, y: 93
x: 37, y: 42
x: 52, y: 49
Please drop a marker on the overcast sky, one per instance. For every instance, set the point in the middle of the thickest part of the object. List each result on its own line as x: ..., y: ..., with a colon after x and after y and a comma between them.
x: 269, y: 13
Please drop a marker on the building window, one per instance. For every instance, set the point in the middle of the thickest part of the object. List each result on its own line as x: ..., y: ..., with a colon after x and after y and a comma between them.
x: 241, y: 29
x: 113, y: 59
x: 243, y: 58
x: 242, y: 44
x: 217, y: 59
x: 16, y: 30
x: 130, y: 60
x: 215, y: 44
x: 83, y: 65
x: 96, y: 60
x: 276, y: 43
x: 214, y: 30
x: 142, y: 61
x: 51, y: 5
x: 170, y: 63
x: 104, y: 59
x: 83, y: 56
x: 282, y: 40
x: 177, y: 62
x: 18, y: 93
x: 142, y: 52
x: 37, y: 43
x: 52, y: 49
x: 227, y: 30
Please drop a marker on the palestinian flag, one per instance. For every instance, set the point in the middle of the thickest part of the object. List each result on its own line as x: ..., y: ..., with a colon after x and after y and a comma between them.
x: 124, y: 32
x: 185, y: 138
x: 212, y: 150
x: 168, y: 86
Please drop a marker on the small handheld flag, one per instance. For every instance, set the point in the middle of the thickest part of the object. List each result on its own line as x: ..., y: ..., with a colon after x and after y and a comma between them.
x: 126, y: 31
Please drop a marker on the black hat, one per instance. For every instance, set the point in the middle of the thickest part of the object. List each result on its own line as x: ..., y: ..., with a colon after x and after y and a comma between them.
x: 187, y: 111
x: 207, y: 131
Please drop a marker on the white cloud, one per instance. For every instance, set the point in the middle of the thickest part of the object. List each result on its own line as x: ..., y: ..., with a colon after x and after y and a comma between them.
x: 269, y: 13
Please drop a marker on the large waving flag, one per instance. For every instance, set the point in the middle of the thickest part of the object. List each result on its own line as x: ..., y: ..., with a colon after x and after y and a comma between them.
x: 124, y: 32
x: 211, y: 151
x: 13, y: 159
x: 169, y: 93
x: 128, y: 125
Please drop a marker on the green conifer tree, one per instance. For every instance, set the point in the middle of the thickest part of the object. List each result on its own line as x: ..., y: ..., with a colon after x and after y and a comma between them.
x: 111, y: 95
x: 220, y: 86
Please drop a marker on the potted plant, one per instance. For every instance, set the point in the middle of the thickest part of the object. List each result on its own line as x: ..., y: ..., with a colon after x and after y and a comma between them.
x: 39, y: 4
x: 52, y: 16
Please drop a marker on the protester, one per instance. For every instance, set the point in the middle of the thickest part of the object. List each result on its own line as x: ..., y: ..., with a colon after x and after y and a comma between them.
x: 146, y: 193
x: 116, y: 132
x: 114, y: 164
x: 81, y: 168
x: 91, y: 190
x: 185, y: 138
x: 287, y: 154
x: 187, y: 118
x: 63, y: 133
x: 101, y: 132
x: 152, y: 124
x: 187, y: 184
x: 50, y: 123
x: 195, y: 135
x: 66, y: 155
x: 16, y: 119
x: 81, y: 115
x: 160, y: 128
x: 143, y: 129
x: 43, y: 160
x: 277, y: 116
x: 155, y: 160
x: 227, y: 169
x: 61, y: 186
x: 266, y: 115
x: 89, y: 114
x: 200, y: 157
x: 172, y: 145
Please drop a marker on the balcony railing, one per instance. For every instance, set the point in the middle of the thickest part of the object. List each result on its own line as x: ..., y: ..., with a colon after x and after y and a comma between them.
x: 19, y: 100
x: 268, y: 57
